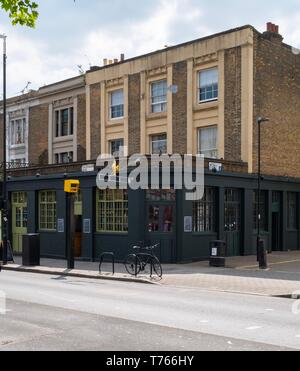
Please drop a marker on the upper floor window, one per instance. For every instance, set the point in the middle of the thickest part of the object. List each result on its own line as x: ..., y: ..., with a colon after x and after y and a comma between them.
x: 63, y: 158
x: 158, y: 144
x: 117, y: 104
x: 64, y: 122
x: 208, y: 85
x: 116, y: 147
x: 207, y: 142
x: 17, y: 133
x: 159, y: 96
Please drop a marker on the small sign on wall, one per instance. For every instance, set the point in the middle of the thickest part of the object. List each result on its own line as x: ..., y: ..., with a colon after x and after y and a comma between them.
x: 61, y: 226
x: 188, y: 224
x: 87, y: 226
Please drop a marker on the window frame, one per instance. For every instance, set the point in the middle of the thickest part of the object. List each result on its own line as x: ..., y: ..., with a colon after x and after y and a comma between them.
x: 199, y: 144
x: 156, y: 141
x: 214, y: 99
x: 58, y: 122
x: 108, y: 204
x: 111, y: 106
x: 160, y: 103
x: 12, y: 133
x: 207, y: 207
x: 50, y: 205
x: 114, y: 141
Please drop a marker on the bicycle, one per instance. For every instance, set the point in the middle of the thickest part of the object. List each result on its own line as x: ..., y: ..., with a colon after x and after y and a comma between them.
x: 137, y: 263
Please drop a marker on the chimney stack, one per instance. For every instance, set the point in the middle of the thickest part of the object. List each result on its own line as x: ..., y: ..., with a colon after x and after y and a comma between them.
x: 122, y: 57
x: 105, y: 62
x: 272, y: 33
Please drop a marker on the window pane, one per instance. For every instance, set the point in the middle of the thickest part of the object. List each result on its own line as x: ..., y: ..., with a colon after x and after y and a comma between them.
x: 159, y: 144
x: 112, y: 211
x: 64, y: 122
x: 204, y: 212
x: 47, y: 210
x: 117, y: 104
x: 159, y: 96
x: 115, y: 146
x: 208, y: 84
x: 208, y: 142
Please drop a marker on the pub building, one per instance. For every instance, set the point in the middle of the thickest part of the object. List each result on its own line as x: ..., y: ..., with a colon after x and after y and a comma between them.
x: 203, y: 96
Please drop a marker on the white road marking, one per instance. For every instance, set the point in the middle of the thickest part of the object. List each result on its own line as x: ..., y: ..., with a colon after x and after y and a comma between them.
x: 253, y: 328
x: 270, y: 310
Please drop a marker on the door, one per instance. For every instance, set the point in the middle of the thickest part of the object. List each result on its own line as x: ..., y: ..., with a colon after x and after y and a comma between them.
x: 276, y: 221
x: 161, y: 226
x: 232, y: 219
x: 275, y: 232
x: 78, y: 225
x: 19, y: 220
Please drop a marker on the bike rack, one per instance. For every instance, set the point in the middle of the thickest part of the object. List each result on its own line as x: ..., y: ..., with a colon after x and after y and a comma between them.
x: 103, y: 256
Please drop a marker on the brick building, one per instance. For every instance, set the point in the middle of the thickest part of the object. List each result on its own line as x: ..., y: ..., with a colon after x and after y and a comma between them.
x: 202, y: 96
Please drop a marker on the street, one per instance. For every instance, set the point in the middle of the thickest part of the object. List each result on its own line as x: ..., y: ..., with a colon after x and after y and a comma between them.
x: 56, y: 313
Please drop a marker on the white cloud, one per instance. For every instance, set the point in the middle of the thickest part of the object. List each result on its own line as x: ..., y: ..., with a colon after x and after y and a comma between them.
x: 145, y: 35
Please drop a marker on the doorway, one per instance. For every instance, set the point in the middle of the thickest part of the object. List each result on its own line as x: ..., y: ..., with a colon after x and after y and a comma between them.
x: 232, y: 219
x: 276, y: 221
x: 19, y: 220
x: 78, y: 225
x: 161, y: 223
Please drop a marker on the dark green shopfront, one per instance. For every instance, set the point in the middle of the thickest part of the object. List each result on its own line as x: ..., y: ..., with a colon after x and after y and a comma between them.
x: 115, y: 220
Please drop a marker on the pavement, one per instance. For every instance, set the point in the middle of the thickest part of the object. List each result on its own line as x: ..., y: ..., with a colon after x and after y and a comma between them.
x: 46, y: 312
x: 241, y: 274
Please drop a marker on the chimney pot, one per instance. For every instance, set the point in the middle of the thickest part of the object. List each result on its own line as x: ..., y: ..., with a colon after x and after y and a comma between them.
x: 105, y: 61
x: 116, y: 60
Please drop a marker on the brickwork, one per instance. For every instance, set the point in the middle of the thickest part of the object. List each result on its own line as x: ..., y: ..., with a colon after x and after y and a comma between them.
x: 277, y: 96
x: 134, y: 114
x: 95, y: 107
x: 180, y: 108
x: 81, y: 128
x: 38, y: 134
x: 233, y: 75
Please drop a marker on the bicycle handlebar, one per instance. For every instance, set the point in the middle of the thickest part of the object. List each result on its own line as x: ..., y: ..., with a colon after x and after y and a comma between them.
x: 146, y: 247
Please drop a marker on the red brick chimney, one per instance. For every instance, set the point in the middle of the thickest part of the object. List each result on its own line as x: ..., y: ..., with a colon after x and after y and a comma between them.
x: 272, y: 33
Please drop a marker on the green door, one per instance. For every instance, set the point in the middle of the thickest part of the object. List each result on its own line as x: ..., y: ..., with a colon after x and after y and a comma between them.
x: 19, y: 220
x: 232, y: 218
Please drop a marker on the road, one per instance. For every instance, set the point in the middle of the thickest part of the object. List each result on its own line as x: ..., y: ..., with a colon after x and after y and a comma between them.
x: 55, y: 313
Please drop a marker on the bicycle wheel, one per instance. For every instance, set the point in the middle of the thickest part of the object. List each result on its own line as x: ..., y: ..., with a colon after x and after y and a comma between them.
x: 157, y: 266
x: 132, y: 265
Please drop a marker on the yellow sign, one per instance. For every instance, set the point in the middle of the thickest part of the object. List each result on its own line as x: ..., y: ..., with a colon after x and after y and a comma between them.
x: 72, y: 186
x: 116, y: 168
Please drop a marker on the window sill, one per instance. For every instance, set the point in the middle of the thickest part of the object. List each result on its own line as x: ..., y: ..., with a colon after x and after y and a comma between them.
x: 17, y: 146
x: 67, y: 138
x: 210, y: 104
x: 115, y: 122
x: 156, y: 116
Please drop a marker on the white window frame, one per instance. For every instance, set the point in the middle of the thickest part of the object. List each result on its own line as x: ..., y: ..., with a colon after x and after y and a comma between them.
x: 208, y: 152
x: 200, y: 87
x: 162, y: 103
x: 59, y: 155
x: 60, y: 110
x: 157, y: 141
x: 111, y: 106
x: 121, y: 146
x: 12, y: 127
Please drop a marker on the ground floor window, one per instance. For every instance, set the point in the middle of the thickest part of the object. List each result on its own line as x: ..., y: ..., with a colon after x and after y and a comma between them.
x: 112, y: 210
x: 204, y: 212
x: 292, y: 211
x: 263, y: 210
x: 47, y: 210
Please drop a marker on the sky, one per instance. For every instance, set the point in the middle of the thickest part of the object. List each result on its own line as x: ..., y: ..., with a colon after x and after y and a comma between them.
x: 82, y: 32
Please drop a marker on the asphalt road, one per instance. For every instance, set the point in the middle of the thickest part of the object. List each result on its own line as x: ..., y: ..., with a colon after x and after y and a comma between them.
x: 54, y: 313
